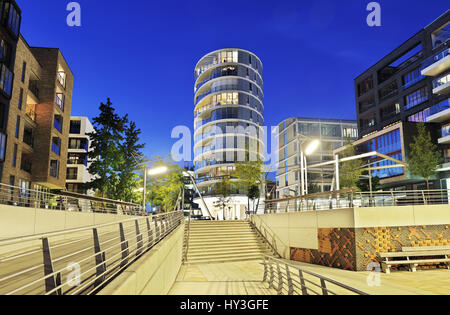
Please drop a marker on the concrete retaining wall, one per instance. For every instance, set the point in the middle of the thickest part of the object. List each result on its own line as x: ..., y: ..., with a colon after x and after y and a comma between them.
x: 154, y: 273
x: 19, y: 221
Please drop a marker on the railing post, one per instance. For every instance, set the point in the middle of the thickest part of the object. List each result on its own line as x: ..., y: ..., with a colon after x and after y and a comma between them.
x: 271, y: 275
x: 424, y: 198
x: 157, y: 229
x: 100, y: 259
x: 149, y: 234
x: 124, y: 246
x: 139, y: 243
x: 393, y: 198
x: 51, y: 281
x: 302, y: 282
x: 324, y: 287
x: 289, y: 281
x: 280, y: 280
x: 265, y: 269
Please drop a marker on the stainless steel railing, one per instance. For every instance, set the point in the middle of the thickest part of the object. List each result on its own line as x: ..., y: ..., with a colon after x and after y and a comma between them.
x: 349, y: 199
x: 276, y: 244
x: 65, y: 201
x: 289, y: 279
x: 79, y: 261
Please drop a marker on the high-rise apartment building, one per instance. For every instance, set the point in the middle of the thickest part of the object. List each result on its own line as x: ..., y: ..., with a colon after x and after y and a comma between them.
x: 229, y: 105
x: 77, y: 175
x: 293, y: 134
x: 38, y: 119
x: 10, y: 18
x: 405, y: 87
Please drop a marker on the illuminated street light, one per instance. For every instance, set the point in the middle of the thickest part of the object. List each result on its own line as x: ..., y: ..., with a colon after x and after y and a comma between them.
x: 151, y: 172
x: 157, y: 171
x: 311, y: 146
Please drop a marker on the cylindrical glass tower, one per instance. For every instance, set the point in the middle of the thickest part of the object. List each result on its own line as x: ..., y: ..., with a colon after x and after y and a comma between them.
x: 228, y: 123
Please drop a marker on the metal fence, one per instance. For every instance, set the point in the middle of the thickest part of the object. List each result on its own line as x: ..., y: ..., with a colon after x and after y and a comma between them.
x: 289, y: 279
x: 65, y: 201
x: 350, y: 199
x: 80, y: 261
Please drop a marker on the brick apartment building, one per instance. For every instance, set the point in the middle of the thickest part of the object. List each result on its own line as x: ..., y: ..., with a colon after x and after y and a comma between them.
x: 38, y: 118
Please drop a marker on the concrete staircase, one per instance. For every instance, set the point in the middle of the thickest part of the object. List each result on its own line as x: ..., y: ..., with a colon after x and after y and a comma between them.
x: 224, y: 241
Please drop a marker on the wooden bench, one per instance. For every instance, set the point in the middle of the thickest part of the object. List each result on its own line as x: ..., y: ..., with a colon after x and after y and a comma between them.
x: 414, y: 256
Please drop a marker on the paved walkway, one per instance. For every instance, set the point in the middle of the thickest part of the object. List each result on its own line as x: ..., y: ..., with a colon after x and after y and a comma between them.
x: 422, y: 282
x: 244, y: 278
x: 233, y: 278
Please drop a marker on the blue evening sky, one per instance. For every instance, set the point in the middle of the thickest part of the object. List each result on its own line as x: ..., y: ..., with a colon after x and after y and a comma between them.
x: 142, y: 54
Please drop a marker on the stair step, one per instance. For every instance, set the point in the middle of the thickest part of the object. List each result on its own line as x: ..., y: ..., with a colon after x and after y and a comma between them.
x: 224, y: 260
x: 226, y: 248
x: 228, y: 244
x: 225, y: 253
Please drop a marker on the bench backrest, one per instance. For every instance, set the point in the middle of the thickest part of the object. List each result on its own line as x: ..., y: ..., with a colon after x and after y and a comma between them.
x: 424, y: 248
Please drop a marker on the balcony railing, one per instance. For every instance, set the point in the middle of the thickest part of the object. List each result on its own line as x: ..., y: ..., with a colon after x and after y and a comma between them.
x: 441, y: 81
x: 60, y: 101
x: 26, y: 166
x: 34, y: 87
x: 441, y: 55
x: 61, y: 77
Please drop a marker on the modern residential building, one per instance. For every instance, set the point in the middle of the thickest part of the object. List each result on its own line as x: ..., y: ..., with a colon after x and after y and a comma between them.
x: 77, y: 174
x: 38, y: 119
x: 229, y: 105
x: 400, y: 90
x: 10, y: 18
x: 293, y: 134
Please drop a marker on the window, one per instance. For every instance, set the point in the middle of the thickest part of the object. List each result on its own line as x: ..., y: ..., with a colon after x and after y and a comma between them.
x: 24, y: 188
x: 12, y: 182
x: 13, y: 18
x: 58, y: 122
x: 417, y: 97
x: 388, y: 91
x: 26, y: 163
x: 366, y: 104
x: 14, y: 159
x: 28, y: 136
x: 75, y: 127
x: 348, y: 132
x: 365, y: 86
x: 400, y: 63
x: 77, y: 159
x: 61, y: 76
x: 2, y: 146
x: 60, y: 100
x: 54, y: 168
x: 33, y: 86
x: 6, y: 78
x: 17, y: 127
x: 390, y: 111
x: 78, y: 144
x: 441, y: 35
x: 56, y: 145
x: 24, y: 69
x: 5, y: 52
x: 72, y: 173
x: 19, y: 104
x: 412, y: 77
x: 30, y: 111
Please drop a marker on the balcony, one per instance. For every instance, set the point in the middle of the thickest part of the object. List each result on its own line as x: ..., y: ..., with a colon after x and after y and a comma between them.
x: 33, y: 86
x: 30, y: 111
x: 59, y: 100
x: 442, y: 85
x: 440, y: 112
x: 437, y: 64
x: 28, y: 137
x: 26, y: 166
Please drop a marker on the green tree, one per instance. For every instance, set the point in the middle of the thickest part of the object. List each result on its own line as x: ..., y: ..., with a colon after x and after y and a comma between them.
x: 105, y: 155
x: 349, y: 171
x: 251, y: 176
x: 131, y: 150
x: 364, y: 185
x: 424, y: 157
x: 163, y: 190
x: 223, y: 190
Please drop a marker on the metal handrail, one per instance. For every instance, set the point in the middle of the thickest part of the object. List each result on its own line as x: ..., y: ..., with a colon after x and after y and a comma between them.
x: 345, y: 199
x: 187, y: 237
x: 263, y: 231
x: 289, y: 279
x: 65, y: 201
x: 112, y: 253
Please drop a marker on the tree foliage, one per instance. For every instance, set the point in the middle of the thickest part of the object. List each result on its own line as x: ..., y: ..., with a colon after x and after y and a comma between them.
x: 424, y: 157
x: 349, y: 171
x: 251, y: 176
x: 223, y: 190
x: 115, y: 155
x: 163, y: 190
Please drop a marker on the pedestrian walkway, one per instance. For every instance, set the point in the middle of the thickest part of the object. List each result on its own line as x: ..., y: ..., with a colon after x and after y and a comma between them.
x: 232, y: 278
x: 422, y: 282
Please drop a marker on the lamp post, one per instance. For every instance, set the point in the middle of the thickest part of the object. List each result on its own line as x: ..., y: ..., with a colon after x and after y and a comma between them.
x: 311, y: 147
x: 151, y: 172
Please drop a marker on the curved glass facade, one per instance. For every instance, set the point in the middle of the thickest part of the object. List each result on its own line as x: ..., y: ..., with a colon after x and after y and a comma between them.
x: 228, y: 113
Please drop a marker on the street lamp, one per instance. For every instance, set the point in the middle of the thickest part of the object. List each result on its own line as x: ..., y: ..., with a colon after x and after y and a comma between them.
x: 311, y: 146
x: 151, y: 172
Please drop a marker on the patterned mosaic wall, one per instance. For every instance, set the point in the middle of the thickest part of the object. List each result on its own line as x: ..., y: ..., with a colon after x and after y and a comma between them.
x: 354, y: 249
